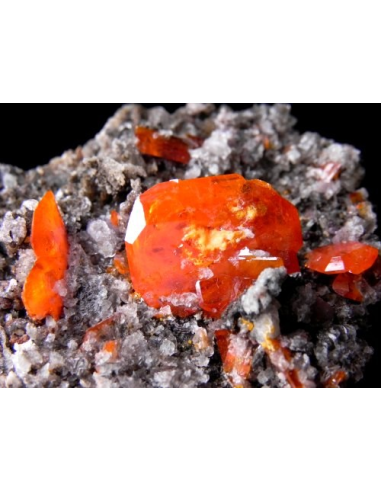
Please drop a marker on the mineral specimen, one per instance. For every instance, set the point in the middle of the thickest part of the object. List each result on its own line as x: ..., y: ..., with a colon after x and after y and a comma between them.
x: 198, y: 244
x: 41, y: 294
x: 276, y: 330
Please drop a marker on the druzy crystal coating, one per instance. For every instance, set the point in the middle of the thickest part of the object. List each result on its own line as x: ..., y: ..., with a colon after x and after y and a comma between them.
x: 199, y: 244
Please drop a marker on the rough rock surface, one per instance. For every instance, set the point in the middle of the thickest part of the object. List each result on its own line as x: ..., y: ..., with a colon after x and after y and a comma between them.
x: 325, y: 332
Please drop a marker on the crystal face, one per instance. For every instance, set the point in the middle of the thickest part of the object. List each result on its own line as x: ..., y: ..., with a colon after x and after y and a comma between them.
x: 199, y: 244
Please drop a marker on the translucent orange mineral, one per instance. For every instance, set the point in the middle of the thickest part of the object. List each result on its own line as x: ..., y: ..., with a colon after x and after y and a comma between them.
x: 114, y: 218
x: 352, y: 257
x: 100, y: 331
x: 50, y: 244
x: 151, y: 142
x: 199, y: 244
x: 281, y: 359
x: 336, y: 379
x: 236, y: 355
x: 350, y: 286
x: 121, y: 265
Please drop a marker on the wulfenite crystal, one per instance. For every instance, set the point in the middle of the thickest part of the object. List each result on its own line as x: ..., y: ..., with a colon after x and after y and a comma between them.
x: 352, y: 257
x: 50, y: 244
x: 350, y: 286
x: 151, y: 142
x: 199, y: 244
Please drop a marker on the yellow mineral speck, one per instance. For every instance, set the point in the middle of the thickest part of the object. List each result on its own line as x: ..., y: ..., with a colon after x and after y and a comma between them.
x: 244, y: 213
x: 212, y: 239
x: 248, y: 325
x: 152, y: 208
x: 251, y: 212
x: 268, y: 345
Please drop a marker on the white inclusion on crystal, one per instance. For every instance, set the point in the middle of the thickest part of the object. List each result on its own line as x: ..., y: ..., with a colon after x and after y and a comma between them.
x: 136, y: 223
x: 245, y: 252
x: 269, y: 258
x: 248, y: 232
x: 205, y: 273
x: 257, y: 254
x: 336, y: 264
x: 198, y: 290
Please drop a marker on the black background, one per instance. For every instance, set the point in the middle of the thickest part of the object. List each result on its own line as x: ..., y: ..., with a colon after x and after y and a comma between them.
x: 32, y: 134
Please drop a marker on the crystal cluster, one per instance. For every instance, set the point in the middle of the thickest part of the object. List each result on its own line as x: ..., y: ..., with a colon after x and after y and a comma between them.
x: 252, y: 257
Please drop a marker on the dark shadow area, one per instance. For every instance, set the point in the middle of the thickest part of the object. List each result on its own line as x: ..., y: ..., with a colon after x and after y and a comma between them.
x: 32, y: 134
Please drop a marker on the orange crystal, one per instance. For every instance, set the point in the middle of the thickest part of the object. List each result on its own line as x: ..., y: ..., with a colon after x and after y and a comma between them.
x: 350, y: 286
x: 110, y: 349
x: 151, y: 142
x: 114, y: 218
x: 236, y: 355
x: 120, y: 263
x: 352, y: 257
x: 281, y: 359
x: 199, y: 244
x: 50, y: 244
x: 100, y: 331
x: 336, y: 379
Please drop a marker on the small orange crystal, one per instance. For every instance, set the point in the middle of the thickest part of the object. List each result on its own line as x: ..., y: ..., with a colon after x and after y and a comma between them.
x: 50, y: 244
x: 100, y: 331
x: 336, y: 379
x: 151, y: 142
x: 199, y: 244
x: 111, y: 349
x: 237, y: 356
x: 281, y: 359
x: 352, y: 257
x: 114, y: 218
x: 350, y: 286
x: 120, y: 263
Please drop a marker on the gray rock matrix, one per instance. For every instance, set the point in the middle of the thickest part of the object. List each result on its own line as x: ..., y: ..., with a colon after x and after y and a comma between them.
x: 323, y: 331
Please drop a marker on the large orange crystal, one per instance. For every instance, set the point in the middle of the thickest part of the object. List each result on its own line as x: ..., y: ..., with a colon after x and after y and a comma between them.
x: 50, y: 244
x: 198, y: 244
x: 352, y: 257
